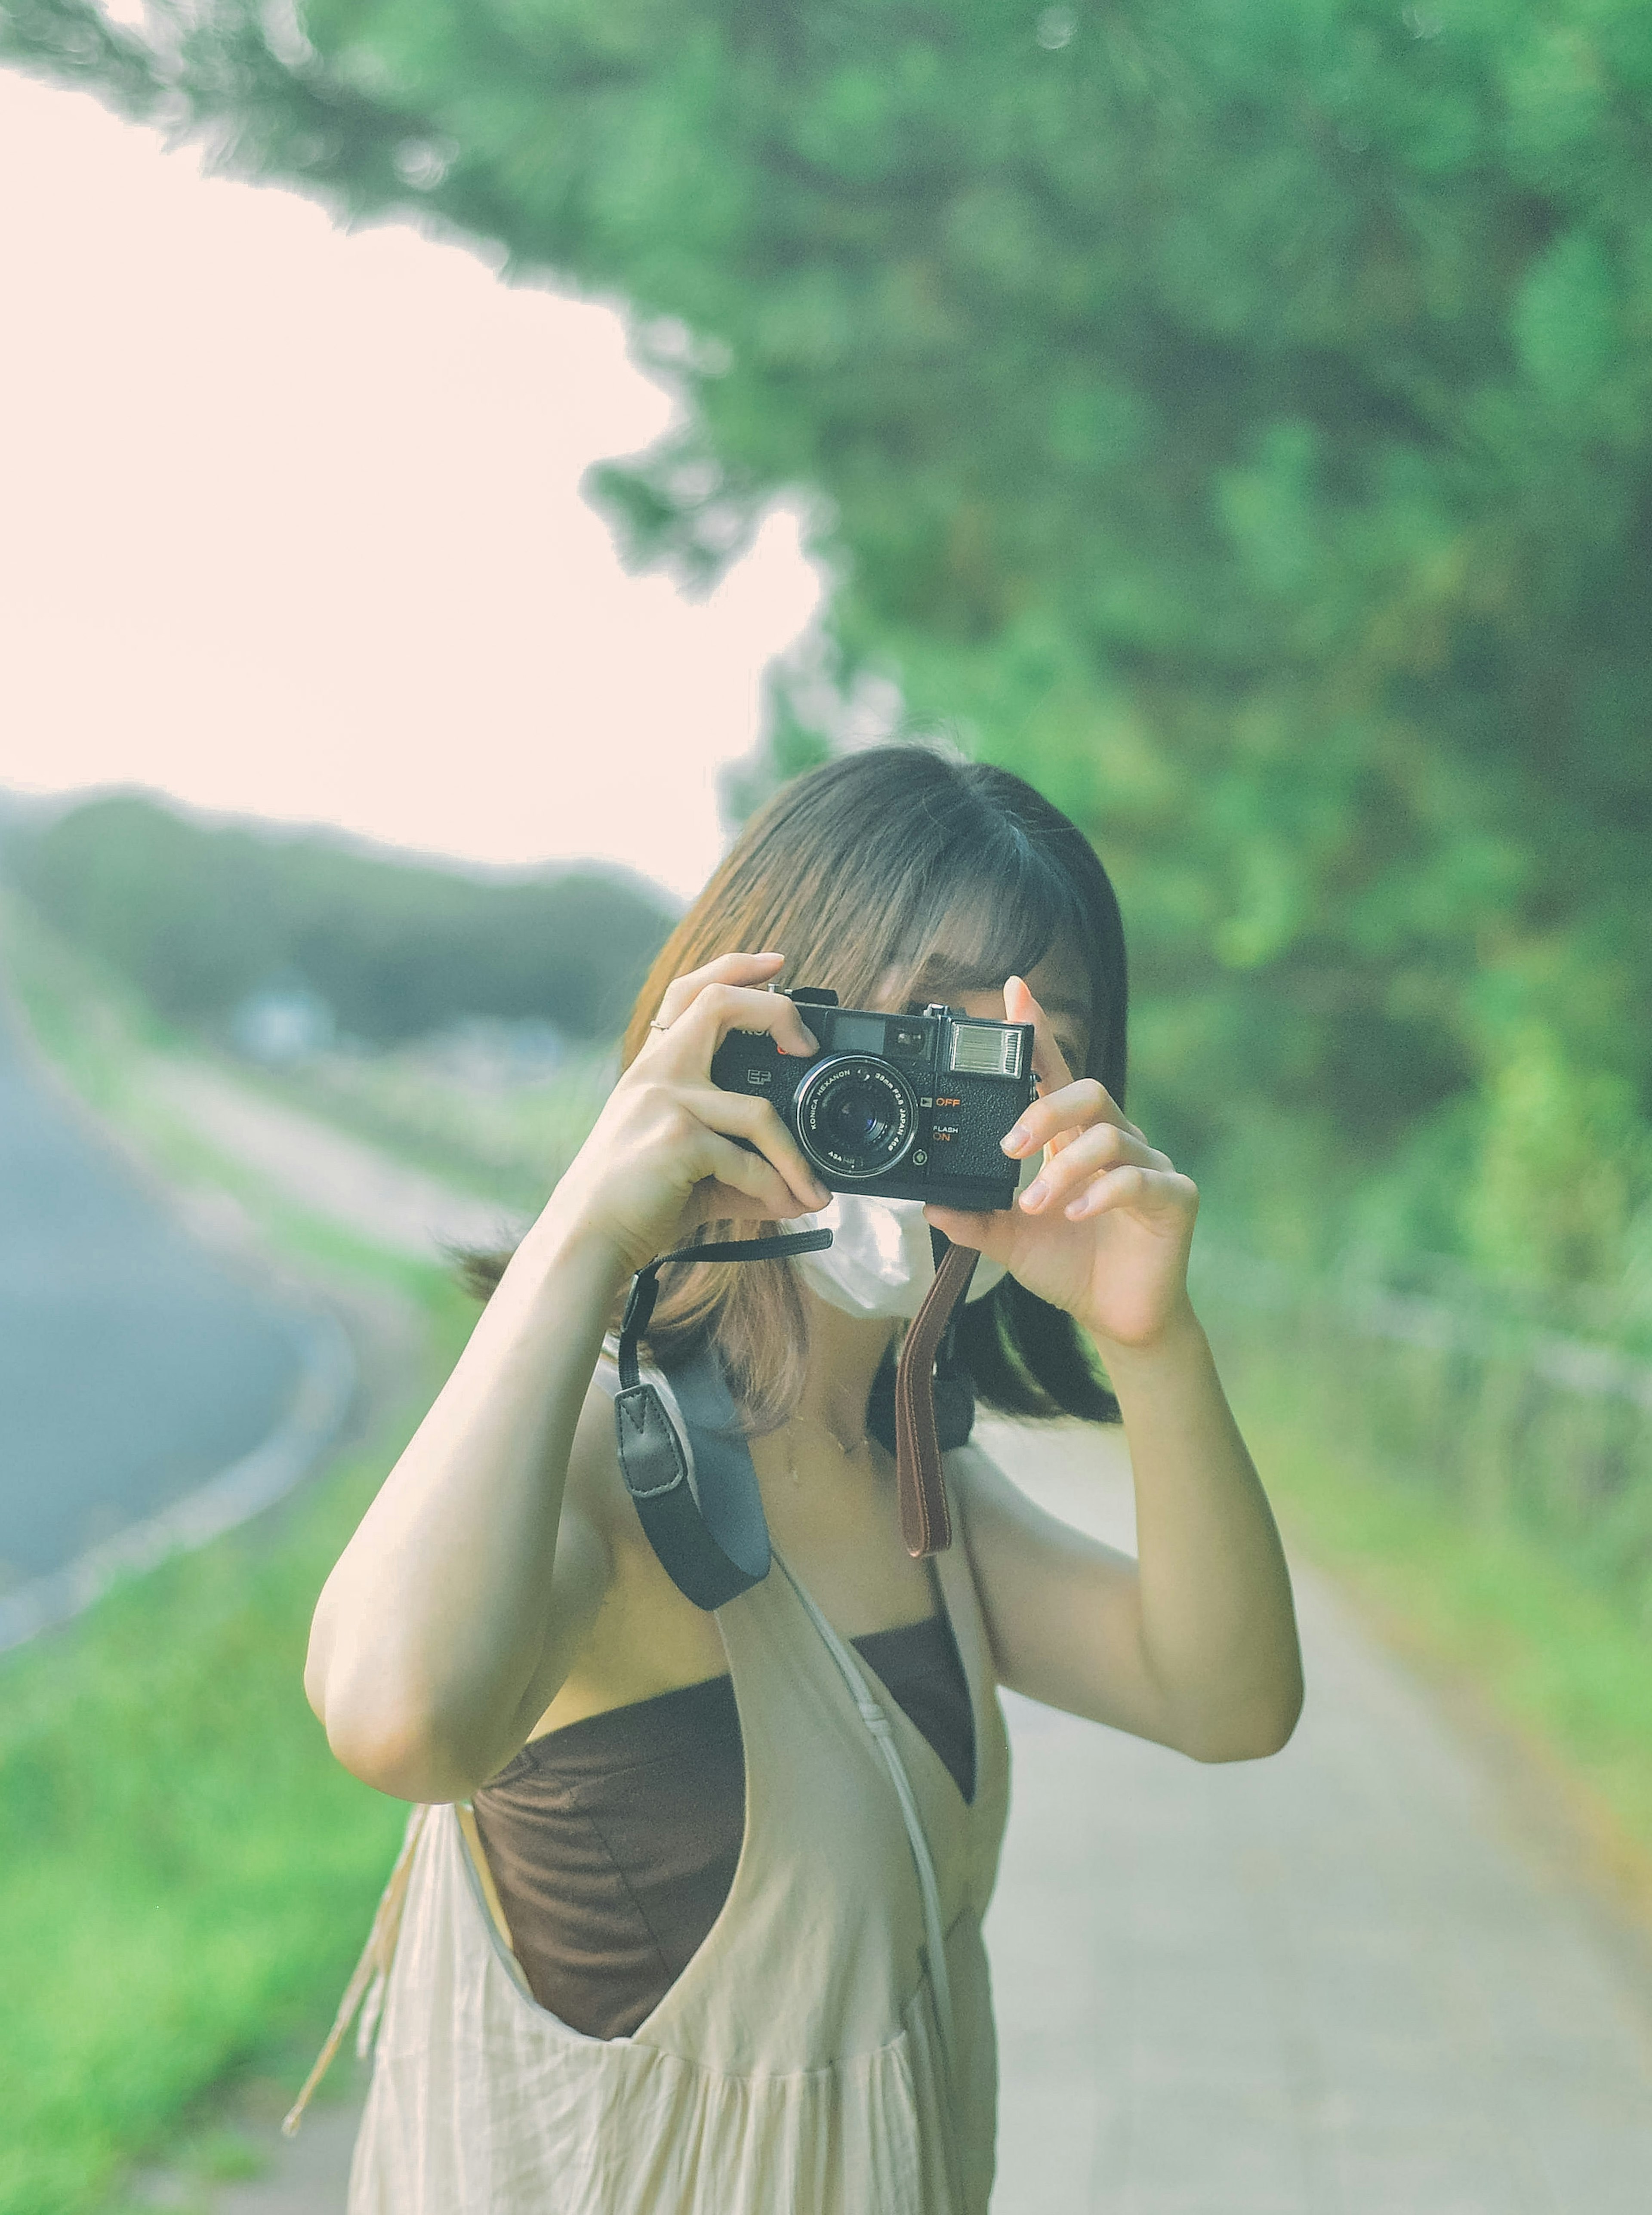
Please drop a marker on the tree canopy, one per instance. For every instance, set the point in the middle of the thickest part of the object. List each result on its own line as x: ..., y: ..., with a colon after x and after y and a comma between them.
x: 1238, y: 419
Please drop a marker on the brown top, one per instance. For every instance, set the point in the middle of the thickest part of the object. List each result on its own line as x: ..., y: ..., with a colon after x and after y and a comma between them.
x: 613, y: 1842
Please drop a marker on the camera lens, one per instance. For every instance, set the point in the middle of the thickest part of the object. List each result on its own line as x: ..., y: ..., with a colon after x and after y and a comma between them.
x: 856, y: 1116
x: 858, y: 1119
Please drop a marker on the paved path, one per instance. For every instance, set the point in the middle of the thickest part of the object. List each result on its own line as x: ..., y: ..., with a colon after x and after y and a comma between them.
x: 324, y: 1169
x: 135, y: 1362
x: 1347, y: 1981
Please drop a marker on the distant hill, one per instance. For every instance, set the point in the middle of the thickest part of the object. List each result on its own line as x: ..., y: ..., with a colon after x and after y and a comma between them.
x: 199, y: 915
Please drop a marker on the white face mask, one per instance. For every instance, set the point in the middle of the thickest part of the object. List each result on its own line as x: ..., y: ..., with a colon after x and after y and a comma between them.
x: 879, y: 1261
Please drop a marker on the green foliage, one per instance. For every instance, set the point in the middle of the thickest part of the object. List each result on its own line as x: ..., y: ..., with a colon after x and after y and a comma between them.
x: 197, y: 917
x: 1238, y: 419
x: 1561, y: 1164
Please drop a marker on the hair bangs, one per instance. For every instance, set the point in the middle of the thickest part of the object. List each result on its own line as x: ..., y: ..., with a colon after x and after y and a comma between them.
x: 995, y: 910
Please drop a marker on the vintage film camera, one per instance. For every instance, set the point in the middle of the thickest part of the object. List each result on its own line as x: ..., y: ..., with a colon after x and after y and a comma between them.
x: 901, y: 1106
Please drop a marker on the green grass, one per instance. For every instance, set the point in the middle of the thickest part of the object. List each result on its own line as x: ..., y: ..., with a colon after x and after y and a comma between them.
x: 188, y: 1872
x: 511, y: 1145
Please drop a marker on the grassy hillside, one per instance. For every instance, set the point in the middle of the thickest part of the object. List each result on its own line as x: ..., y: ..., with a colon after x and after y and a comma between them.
x: 197, y: 916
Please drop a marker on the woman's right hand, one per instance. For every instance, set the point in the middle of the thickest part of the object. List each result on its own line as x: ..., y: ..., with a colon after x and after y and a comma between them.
x: 661, y: 1157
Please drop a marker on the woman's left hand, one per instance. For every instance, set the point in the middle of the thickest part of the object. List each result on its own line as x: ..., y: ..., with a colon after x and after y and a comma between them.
x: 1104, y: 1228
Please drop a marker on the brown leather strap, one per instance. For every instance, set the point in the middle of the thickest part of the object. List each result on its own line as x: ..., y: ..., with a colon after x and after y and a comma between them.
x: 925, y: 1524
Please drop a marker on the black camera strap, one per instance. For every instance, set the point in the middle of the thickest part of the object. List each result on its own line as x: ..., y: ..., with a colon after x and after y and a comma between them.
x: 713, y: 1546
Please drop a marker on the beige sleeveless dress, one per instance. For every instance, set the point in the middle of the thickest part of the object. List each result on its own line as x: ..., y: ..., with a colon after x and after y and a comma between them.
x: 808, y: 2061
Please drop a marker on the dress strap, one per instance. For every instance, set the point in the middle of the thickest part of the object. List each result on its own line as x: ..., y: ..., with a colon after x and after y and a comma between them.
x: 873, y: 1715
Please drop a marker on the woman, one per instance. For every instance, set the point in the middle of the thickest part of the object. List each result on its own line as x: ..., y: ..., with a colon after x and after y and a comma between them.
x: 681, y: 1951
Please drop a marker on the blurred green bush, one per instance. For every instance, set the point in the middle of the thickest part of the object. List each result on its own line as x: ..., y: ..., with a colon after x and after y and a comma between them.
x: 1508, y: 1421
x: 1481, y: 1487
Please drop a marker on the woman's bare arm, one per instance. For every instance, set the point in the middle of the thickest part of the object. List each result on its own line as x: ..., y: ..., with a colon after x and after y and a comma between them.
x: 1194, y: 1646
x: 1197, y: 1647
x: 463, y: 1597
x: 466, y: 1582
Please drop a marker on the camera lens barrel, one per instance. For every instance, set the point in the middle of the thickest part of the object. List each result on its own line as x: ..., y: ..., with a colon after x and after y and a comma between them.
x: 856, y: 1116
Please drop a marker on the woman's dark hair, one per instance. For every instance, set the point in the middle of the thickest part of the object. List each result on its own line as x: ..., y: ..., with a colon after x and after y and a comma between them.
x: 883, y: 865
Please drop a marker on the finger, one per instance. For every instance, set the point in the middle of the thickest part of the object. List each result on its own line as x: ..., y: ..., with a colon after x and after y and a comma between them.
x: 1104, y: 1146
x: 739, y: 1114
x: 1052, y: 1120
x: 727, y: 969
x: 751, y: 1175
x: 716, y: 1009
x: 1049, y: 1063
x: 1147, y: 1191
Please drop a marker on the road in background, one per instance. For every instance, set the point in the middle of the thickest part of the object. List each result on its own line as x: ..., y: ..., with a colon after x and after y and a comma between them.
x: 135, y: 1363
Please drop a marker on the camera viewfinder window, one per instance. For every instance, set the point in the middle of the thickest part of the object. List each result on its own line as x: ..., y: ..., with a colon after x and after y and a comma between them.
x: 857, y: 1034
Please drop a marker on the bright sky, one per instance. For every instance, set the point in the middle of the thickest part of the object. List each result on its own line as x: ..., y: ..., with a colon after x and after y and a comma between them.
x: 290, y: 526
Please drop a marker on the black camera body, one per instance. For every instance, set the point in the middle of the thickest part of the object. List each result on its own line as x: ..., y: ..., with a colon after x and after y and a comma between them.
x: 900, y: 1106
